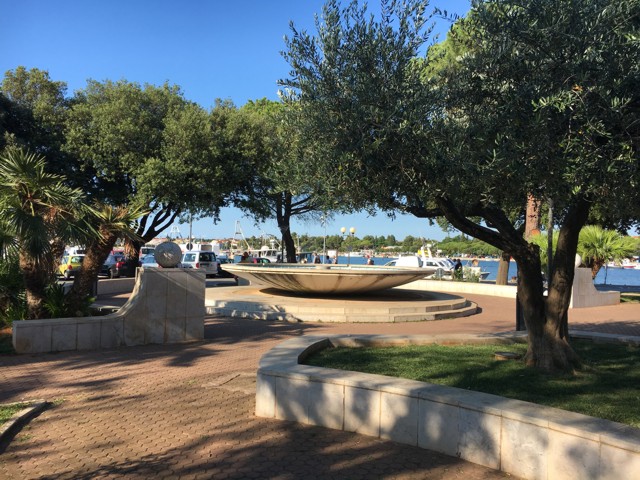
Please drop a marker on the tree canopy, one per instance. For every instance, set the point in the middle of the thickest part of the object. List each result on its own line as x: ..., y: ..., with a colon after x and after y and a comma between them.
x: 542, y: 102
x: 148, y: 146
x: 266, y: 138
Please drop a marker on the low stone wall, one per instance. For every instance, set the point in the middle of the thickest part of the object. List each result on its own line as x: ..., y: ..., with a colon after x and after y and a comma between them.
x: 449, y: 286
x: 520, y: 438
x: 166, y: 306
x: 584, y: 293
x: 115, y: 286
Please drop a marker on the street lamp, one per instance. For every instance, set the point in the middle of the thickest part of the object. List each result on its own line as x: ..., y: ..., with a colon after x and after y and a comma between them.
x: 323, y: 219
x: 352, y: 232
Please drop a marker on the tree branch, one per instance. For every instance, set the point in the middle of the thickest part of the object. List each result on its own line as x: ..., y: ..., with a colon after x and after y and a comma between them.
x: 462, y: 223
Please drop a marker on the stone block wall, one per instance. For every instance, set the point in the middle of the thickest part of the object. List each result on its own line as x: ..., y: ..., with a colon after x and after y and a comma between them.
x: 166, y: 306
x: 584, y: 293
x: 520, y: 438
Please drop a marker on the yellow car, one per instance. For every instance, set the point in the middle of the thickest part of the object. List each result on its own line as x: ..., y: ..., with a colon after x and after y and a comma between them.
x: 70, y: 265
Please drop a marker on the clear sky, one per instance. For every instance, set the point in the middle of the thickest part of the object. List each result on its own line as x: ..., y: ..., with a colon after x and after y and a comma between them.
x: 211, y: 49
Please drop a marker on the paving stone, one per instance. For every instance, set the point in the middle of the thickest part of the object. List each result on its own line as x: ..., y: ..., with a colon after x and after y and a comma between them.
x: 188, y: 410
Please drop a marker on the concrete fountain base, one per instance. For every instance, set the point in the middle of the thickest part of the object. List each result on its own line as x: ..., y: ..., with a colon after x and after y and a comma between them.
x: 392, y: 305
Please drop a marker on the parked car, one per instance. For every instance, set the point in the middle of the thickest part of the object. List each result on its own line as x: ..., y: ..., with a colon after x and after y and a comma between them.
x: 149, y: 261
x: 144, y: 251
x: 205, y: 261
x: 222, y: 260
x: 118, y: 266
x: 250, y: 259
x: 70, y: 265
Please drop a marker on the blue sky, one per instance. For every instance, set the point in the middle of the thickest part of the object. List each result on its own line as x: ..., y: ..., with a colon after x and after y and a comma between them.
x: 211, y: 49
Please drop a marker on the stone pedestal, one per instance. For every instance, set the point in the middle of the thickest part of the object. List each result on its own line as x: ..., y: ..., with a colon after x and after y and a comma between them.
x: 166, y: 306
x: 584, y: 293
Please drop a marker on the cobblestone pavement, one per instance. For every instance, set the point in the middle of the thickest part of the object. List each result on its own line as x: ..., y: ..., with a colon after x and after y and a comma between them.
x: 187, y: 411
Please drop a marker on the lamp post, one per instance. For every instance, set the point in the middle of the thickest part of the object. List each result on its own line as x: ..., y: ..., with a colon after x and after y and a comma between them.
x: 323, y: 219
x: 352, y: 232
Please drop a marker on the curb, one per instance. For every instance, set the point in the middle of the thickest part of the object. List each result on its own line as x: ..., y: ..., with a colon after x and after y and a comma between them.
x: 19, y: 419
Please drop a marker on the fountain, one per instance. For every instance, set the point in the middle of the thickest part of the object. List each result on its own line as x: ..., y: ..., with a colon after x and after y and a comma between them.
x: 333, y: 293
x: 328, y: 279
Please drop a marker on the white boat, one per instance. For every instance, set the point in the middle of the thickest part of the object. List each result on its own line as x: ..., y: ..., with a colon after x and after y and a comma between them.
x: 270, y: 253
x: 445, y: 267
x: 626, y: 263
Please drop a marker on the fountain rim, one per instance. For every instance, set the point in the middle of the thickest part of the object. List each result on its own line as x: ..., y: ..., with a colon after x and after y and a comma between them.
x: 326, y: 269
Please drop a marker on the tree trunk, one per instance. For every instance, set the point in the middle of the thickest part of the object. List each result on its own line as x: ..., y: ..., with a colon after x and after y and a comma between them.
x: 532, y: 221
x: 546, y: 321
x: 595, y: 268
x: 96, y: 253
x: 502, y: 277
x: 289, y: 244
x: 548, y: 347
x: 35, y: 283
x: 283, y: 216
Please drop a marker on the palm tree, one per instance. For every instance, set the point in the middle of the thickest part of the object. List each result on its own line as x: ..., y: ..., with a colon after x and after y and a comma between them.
x: 111, y: 223
x: 597, y: 246
x: 11, y: 285
x: 40, y: 211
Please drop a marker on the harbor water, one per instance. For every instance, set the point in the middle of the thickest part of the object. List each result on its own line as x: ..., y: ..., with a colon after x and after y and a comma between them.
x: 614, y: 277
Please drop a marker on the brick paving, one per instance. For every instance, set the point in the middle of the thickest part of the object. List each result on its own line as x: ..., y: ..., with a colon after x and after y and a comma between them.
x: 187, y: 411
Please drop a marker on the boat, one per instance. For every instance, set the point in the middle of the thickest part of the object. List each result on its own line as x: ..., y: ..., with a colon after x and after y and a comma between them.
x: 270, y: 253
x: 625, y: 263
x: 445, y: 266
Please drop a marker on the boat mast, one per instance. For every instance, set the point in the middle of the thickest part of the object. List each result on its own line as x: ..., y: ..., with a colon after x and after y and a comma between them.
x: 238, y: 231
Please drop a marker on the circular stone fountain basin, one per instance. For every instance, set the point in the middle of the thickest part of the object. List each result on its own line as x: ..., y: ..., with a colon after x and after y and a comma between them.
x: 331, y: 279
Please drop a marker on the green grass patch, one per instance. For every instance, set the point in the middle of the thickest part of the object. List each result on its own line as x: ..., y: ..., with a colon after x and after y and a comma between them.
x: 607, y: 387
x: 7, y: 411
x: 630, y: 298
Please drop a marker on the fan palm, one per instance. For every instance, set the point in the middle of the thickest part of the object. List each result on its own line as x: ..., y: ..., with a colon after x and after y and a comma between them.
x: 40, y: 212
x: 598, y: 246
x: 110, y: 223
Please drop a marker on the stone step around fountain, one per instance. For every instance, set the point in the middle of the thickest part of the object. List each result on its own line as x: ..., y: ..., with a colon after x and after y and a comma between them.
x: 296, y: 310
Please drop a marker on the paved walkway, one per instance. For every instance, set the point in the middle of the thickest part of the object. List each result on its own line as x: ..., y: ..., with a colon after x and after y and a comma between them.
x: 187, y: 411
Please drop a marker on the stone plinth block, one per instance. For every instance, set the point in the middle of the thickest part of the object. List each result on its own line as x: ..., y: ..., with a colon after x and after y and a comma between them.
x: 166, y: 306
x: 584, y: 294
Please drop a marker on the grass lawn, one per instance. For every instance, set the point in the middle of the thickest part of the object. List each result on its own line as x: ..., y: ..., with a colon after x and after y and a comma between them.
x: 7, y: 411
x: 630, y: 298
x: 607, y: 387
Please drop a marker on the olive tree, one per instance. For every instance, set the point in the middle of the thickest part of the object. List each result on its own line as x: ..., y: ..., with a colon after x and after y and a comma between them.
x: 263, y: 135
x: 545, y: 104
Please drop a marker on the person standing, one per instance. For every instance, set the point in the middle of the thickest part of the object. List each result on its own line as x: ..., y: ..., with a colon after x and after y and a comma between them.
x: 457, y: 269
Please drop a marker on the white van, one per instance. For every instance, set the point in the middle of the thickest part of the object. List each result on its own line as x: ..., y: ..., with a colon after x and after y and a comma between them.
x: 205, y: 261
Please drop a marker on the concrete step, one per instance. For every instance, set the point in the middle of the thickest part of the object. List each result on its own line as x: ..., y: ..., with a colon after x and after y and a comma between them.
x: 309, y: 313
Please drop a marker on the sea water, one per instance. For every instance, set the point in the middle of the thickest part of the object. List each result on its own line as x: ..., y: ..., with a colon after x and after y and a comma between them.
x: 606, y: 276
